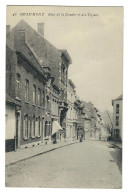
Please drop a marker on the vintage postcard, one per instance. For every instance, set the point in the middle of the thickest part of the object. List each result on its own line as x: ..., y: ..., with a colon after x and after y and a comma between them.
x: 64, y: 97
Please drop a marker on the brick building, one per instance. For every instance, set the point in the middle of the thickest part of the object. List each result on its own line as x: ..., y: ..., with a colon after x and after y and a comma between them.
x: 87, y: 119
x: 29, y: 89
x: 80, y: 118
x: 36, y: 77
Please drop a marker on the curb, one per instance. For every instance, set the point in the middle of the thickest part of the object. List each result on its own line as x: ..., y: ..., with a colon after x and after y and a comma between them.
x: 117, y: 146
x: 44, y: 152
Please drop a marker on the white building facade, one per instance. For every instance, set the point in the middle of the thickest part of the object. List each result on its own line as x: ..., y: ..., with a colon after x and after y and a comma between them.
x: 117, y: 118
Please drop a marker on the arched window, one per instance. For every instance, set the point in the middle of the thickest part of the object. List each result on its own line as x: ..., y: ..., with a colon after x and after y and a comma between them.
x: 33, y: 127
x: 18, y: 86
x: 26, y: 127
x: 39, y: 97
x: 43, y: 99
x: 48, y: 104
x: 49, y: 129
x: 39, y: 127
x: 45, y: 130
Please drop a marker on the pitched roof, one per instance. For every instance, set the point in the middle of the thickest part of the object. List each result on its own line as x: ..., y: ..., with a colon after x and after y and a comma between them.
x: 25, y: 50
x: 47, y: 54
x: 118, y: 98
x: 71, y: 83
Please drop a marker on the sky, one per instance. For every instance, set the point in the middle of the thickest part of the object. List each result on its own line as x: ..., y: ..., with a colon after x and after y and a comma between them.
x: 93, y: 37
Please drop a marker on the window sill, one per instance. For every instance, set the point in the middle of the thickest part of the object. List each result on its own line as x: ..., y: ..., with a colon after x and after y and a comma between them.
x: 25, y: 138
x: 38, y: 136
x: 26, y: 102
x: 17, y: 98
x: 33, y: 137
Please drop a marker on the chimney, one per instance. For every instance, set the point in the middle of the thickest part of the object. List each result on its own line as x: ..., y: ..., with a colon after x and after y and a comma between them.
x: 40, y: 28
x: 8, y: 29
x: 19, y: 38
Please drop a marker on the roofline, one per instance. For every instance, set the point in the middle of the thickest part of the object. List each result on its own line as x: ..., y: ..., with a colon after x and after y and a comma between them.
x: 22, y: 56
x: 71, y: 83
x: 116, y: 99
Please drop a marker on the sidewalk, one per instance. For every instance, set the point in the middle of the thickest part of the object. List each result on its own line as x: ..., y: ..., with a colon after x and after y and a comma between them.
x: 24, y: 154
x: 117, y: 144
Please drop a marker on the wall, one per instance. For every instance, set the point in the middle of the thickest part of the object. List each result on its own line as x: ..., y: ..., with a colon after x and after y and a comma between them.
x: 55, y: 102
x: 117, y: 114
x: 28, y: 107
x: 46, y: 53
x: 10, y: 127
x: 11, y: 61
x: 71, y: 114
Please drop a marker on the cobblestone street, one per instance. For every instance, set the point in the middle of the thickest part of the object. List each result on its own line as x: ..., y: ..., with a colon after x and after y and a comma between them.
x: 90, y: 164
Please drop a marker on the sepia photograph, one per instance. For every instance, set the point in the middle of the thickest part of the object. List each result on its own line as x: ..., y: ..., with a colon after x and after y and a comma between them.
x: 64, y: 96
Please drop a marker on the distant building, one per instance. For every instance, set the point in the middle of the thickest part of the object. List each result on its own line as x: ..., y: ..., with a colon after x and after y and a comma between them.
x: 117, y: 118
x: 71, y: 129
x: 79, y: 107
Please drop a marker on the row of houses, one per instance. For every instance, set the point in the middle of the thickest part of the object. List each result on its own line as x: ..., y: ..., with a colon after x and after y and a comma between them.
x: 42, y: 106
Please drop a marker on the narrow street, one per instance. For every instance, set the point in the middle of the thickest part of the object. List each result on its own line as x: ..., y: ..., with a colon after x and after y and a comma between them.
x: 90, y: 164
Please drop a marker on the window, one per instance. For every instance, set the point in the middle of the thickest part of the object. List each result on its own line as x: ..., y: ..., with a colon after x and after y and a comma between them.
x: 42, y: 126
x: 36, y: 127
x: 71, y: 98
x: 117, y: 108
x: 18, y: 86
x: 66, y: 76
x: 48, y: 104
x: 26, y: 127
x: 43, y: 99
x: 39, y: 127
x: 33, y: 127
x: 117, y: 121
x: 26, y: 90
x: 49, y: 129
x: 29, y: 126
x: 34, y: 94
x: 39, y: 97
x: 45, y: 131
